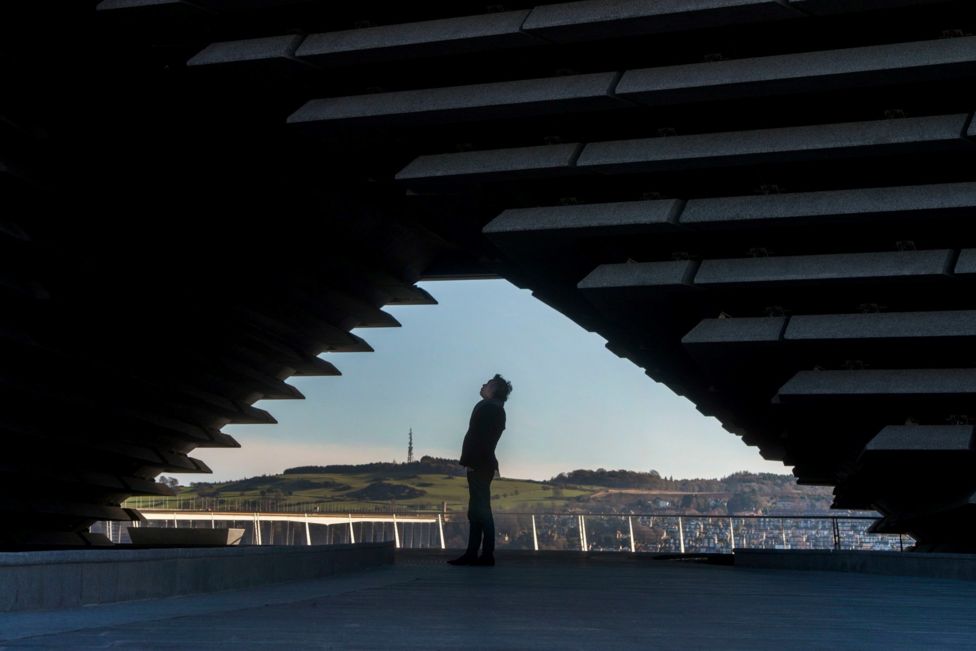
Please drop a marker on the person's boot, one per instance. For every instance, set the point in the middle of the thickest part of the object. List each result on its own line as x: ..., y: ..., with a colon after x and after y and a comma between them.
x: 470, y: 554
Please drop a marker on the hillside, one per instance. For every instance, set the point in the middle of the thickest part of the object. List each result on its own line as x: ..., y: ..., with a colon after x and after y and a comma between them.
x: 425, y: 484
x: 434, y: 483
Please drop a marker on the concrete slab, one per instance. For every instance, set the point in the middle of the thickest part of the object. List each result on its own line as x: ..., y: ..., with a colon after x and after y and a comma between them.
x: 876, y: 65
x: 156, y: 7
x: 932, y: 565
x: 575, y: 21
x: 830, y: 7
x: 491, y: 163
x: 63, y: 579
x: 534, y: 604
x: 927, y: 438
x: 447, y: 36
x: 894, y: 383
x: 593, y: 219
x: 881, y: 325
x: 830, y: 267
x: 737, y: 331
x: 880, y: 205
x: 247, y: 50
x: 966, y: 265
x: 456, y: 103
x: 676, y: 273
x: 876, y: 137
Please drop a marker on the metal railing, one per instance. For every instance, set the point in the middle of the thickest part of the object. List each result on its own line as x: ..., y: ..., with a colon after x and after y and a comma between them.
x: 689, y: 533
x: 625, y: 532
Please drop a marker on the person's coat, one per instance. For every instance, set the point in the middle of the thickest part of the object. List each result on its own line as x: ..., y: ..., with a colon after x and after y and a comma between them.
x: 484, y: 430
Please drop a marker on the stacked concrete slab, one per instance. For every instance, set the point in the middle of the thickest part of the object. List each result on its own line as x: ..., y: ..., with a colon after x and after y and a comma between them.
x: 763, y: 203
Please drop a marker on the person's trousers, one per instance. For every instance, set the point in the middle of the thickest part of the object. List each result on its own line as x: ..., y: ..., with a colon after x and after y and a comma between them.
x: 482, y: 533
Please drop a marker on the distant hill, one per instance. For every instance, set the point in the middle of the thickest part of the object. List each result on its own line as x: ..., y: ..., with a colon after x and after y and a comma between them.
x: 432, y: 483
x: 425, y: 465
x: 381, y: 490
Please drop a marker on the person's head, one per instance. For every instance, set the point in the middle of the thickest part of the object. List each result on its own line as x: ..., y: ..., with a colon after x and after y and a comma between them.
x: 497, y: 388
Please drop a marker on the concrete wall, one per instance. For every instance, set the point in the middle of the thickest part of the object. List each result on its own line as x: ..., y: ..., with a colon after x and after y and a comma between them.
x: 942, y: 566
x: 62, y: 579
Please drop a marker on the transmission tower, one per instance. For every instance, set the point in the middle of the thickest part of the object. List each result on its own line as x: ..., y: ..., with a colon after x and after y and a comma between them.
x: 410, y: 447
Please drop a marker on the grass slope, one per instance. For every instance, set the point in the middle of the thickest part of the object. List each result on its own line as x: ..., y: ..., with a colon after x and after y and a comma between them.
x: 338, y: 491
x: 430, y: 483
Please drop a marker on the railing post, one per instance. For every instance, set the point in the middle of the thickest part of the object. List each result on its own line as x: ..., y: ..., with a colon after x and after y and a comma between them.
x: 396, y: 534
x: 901, y: 542
x: 582, y: 534
x: 836, y: 534
x: 535, y: 537
x: 352, y: 534
x: 440, y: 529
x: 630, y: 525
x: 681, y: 535
x: 782, y: 527
x: 731, y: 534
x: 308, y: 532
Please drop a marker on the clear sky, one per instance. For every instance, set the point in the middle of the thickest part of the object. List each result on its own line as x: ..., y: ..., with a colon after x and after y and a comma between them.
x: 574, y: 404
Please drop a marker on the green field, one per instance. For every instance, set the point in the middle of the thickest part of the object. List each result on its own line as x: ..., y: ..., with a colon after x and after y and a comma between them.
x: 432, y: 484
x: 342, y: 491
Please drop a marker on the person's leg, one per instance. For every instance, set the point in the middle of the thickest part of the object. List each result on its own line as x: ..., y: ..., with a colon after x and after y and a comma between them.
x: 487, y: 520
x: 479, y: 508
x: 475, y: 533
x: 476, y: 518
x: 488, y: 546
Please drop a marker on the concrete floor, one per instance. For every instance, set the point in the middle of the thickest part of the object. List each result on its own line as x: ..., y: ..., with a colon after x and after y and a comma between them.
x: 545, y: 603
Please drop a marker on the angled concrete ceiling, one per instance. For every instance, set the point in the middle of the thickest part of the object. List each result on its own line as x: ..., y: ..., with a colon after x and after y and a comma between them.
x: 763, y: 203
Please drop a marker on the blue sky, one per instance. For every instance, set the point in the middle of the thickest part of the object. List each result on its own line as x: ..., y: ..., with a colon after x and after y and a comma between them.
x: 574, y: 405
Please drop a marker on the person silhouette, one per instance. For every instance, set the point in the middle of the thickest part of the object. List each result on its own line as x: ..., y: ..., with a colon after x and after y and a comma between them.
x: 478, y: 455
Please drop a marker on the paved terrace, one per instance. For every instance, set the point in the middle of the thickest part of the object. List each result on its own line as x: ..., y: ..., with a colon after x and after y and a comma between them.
x: 548, y: 602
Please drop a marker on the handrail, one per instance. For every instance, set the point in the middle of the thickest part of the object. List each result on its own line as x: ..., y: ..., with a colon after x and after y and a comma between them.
x: 676, y: 531
x: 564, y: 514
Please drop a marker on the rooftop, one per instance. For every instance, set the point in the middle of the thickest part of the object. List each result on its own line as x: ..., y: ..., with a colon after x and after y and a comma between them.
x: 547, y: 601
